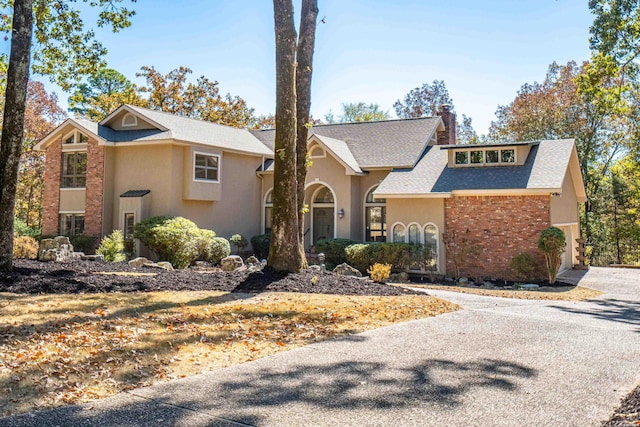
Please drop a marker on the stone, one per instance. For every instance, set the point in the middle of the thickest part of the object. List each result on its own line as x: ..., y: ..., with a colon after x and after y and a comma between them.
x: 97, y: 258
x: 165, y: 265
x: 231, y: 262
x: 139, y: 262
x: 253, y: 261
x: 314, y: 268
x: 201, y: 265
x: 529, y: 286
x: 46, y: 244
x: 61, y: 240
x: 58, y: 249
x: 345, y: 269
x: 463, y: 281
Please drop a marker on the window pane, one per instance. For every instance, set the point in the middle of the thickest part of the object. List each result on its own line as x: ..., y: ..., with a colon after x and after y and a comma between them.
x: 462, y: 157
x: 212, y: 162
x: 324, y: 196
x: 212, y: 174
x: 476, y: 157
x: 372, y: 199
x: 200, y: 160
x: 414, y: 234
x: 508, y: 156
x: 431, y: 242
x: 82, y: 138
x: 69, y: 140
x: 129, y: 219
x: 268, y: 218
x: 269, y: 198
x: 398, y: 233
x: 492, y: 156
x: 78, y: 225
x: 81, y: 163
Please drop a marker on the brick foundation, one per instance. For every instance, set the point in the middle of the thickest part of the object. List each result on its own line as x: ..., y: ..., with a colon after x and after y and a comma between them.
x: 51, y: 196
x: 500, y: 227
x: 93, y: 195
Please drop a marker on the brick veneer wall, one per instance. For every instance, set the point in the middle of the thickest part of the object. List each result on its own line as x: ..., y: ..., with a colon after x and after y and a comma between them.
x: 51, y: 196
x: 93, y: 192
x: 93, y: 196
x: 502, y: 227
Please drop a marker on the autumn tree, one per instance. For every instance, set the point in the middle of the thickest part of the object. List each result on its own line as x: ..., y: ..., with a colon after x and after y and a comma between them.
x: 353, y: 112
x: 286, y: 252
x: 64, y: 50
x: 423, y: 101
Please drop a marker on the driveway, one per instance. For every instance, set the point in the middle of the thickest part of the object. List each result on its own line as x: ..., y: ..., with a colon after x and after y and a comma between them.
x: 496, y: 362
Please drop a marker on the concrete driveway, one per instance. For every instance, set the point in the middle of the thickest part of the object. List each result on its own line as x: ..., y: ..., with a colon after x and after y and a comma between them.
x: 497, y: 362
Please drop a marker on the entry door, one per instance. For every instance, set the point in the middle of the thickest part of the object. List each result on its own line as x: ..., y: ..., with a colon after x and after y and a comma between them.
x: 322, y: 224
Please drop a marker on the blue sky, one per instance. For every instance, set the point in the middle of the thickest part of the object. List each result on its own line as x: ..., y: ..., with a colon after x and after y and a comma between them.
x: 368, y: 50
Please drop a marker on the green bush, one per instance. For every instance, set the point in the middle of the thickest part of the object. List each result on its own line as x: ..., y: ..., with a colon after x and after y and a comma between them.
x: 552, y: 242
x: 333, y: 250
x: 174, y: 239
x: 239, y: 242
x: 213, y: 248
x: 523, y: 266
x: 400, y: 255
x: 84, y: 244
x: 25, y: 247
x: 260, y: 244
x: 20, y: 228
x: 112, y: 247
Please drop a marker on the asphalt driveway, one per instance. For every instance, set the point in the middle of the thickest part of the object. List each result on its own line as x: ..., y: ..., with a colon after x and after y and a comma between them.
x: 497, y: 362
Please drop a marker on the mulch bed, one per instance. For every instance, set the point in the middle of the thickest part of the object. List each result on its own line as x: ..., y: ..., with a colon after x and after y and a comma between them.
x: 35, y: 277
x: 628, y: 414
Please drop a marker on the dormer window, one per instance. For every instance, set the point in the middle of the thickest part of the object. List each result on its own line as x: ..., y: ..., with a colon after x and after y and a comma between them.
x: 75, y: 137
x: 491, y: 156
x: 462, y: 157
x: 480, y: 157
x: 508, y: 156
x: 477, y: 157
x: 129, y: 120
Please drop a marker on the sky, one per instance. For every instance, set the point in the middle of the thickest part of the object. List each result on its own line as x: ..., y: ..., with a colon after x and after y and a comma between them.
x: 373, y: 51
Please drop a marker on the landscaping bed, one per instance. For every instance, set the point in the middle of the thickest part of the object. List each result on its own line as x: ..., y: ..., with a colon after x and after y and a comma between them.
x: 35, y: 277
x: 628, y: 414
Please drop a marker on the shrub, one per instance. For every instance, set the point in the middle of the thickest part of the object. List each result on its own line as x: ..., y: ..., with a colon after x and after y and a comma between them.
x: 239, y: 242
x: 215, y: 249
x: 20, y: 228
x: 333, y: 250
x: 112, y: 247
x: 552, y: 242
x: 523, y: 265
x: 174, y: 239
x: 85, y: 244
x: 260, y: 245
x: 25, y: 247
x: 400, y: 255
x: 379, y: 272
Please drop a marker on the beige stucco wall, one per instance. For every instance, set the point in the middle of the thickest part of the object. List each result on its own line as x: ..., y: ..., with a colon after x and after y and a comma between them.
x: 421, y: 212
x: 200, y: 190
x: 72, y: 200
x: 564, y: 208
x: 116, y: 123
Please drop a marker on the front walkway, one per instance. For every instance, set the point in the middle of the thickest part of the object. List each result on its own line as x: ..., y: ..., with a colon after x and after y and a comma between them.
x: 497, y: 362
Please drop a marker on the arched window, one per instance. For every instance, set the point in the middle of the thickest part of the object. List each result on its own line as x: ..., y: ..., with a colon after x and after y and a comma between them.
x: 431, y: 242
x: 129, y: 120
x: 268, y: 212
x: 398, y: 233
x: 375, y: 218
x: 414, y: 234
x: 316, y: 152
x: 324, y: 195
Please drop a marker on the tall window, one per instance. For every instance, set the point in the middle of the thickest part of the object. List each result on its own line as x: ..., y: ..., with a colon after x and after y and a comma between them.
x: 398, y: 233
x: 74, y: 170
x: 71, y: 224
x: 268, y: 212
x: 414, y: 234
x: 431, y: 242
x: 129, y: 221
x: 375, y: 212
x: 206, y: 167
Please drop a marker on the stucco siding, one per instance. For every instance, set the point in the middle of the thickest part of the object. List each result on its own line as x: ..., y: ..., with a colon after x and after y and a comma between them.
x: 564, y: 208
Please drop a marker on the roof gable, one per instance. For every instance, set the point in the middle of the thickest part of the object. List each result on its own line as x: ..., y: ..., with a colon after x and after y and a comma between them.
x: 340, y: 151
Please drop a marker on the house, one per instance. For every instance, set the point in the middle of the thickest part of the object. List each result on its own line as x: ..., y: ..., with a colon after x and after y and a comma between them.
x: 395, y: 180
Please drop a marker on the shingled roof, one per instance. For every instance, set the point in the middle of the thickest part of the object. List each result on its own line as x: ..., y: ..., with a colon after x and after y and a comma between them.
x: 383, y: 144
x: 545, y: 168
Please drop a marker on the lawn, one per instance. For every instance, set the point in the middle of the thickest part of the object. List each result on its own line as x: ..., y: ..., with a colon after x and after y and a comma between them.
x: 63, y: 349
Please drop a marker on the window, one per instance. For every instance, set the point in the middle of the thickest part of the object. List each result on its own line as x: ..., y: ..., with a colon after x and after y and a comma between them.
x: 476, y: 157
x: 398, y: 233
x: 431, y: 242
x: 268, y: 212
x: 129, y: 221
x: 508, y: 156
x: 71, y: 224
x: 375, y: 218
x: 206, y: 167
x: 316, y: 152
x: 129, y: 120
x: 324, y: 195
x: 75, y: 137
x: 462, y: 157
x: 74, y: 170
x: 491, y: 156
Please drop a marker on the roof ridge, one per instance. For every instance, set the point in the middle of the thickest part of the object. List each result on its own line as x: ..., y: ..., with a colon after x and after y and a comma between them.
x: 175, y: 115
x: 375, y: 121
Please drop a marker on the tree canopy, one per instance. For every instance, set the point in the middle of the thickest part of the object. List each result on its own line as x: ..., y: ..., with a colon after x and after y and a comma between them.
x: 353, y: 112
x: 424, y: 101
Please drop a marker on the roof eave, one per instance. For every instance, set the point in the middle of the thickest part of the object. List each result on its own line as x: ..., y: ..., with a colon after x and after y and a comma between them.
x: 128, y: 108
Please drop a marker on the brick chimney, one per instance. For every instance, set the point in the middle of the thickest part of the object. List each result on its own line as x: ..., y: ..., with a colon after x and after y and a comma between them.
x: 448, y: 135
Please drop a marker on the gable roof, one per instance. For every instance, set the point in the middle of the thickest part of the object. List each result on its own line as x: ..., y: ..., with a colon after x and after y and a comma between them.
x: 383, y: 144
x: 340, y: 150
x: 545, y: 168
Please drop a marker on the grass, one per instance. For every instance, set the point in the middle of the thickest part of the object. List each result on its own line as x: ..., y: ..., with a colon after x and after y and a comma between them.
x: 567, y: 293
x: 63, y: 349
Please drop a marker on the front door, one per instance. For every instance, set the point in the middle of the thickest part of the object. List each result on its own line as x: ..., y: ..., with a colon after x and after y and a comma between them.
x: 322, y: 224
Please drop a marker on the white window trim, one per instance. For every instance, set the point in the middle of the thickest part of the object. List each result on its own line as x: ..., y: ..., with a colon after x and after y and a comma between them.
x: 129, y: 125
x: 391, y: 234
x: 366, y: 205
x: 317, y: 146
x: 484, y: 157
x: 265, y: 205
x: 124, y: 221
x: 76, y: 139
x: 208, y: 181
x: 437, y: 243
x: 420, y: 233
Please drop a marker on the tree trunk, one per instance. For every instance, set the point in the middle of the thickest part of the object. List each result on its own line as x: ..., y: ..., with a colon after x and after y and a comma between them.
x: 13, y: 124
x: 285, y: 253
x: 304, y: 56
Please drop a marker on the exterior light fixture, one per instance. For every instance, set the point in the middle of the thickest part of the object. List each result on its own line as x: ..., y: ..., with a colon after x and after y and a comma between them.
x: 341, y: 213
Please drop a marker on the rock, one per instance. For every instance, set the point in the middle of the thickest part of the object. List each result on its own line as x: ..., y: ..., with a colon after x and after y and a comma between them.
x: 58, y: 249
x: 463, y: 281
x: 201, y: 265
x: 165, y: 265
x: 529, y: 286
x: 254, y: 268
x: 97, y: 257
x: 253, y: 261
x: 139, y: 262
x: 62, y: 240
x: 314, y: 268
x: 402, y: 277
x: 231, y: 262
x: 46, y: 244
x: 345, y: 269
